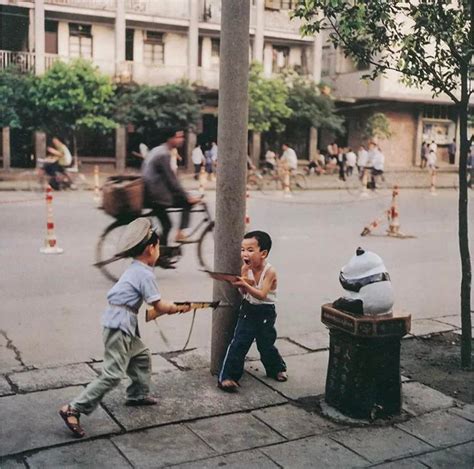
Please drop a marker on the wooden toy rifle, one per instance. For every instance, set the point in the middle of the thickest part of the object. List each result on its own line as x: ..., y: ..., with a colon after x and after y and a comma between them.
x: 152, y: 314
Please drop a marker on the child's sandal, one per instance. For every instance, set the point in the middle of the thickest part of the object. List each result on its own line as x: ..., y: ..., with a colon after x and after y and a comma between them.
x: 75, y: 427
x: 281, y: 376
x: 231, y: 385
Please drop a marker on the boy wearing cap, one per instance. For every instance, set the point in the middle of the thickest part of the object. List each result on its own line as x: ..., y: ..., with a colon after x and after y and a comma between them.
x: 124, y: 352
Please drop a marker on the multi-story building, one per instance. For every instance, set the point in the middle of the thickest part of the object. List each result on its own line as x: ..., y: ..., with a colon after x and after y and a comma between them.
x: 415, y: 116
x: 150, y: 41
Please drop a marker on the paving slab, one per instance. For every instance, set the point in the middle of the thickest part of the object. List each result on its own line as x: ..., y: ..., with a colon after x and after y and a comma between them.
x: 293, y: 422
x: 466, y: 412
x: 98, y: 453
x: 193, y: 359
x: 459, y: 457
x: 315, y: 451
x: 419, y: 399
x: 11, y: 464
x: 459, y: 332
x: 312, y: 340
x: 185, y: 395
x: 43, y: 426
x: 252, y: 459
x: 378, y: 444
x: 5, y: 388
x: 160, y: 447
x: 440, y: 428
x: 49, y: 378
x: 234, y: 432
x: 307, y: 375
x: 285, y: 347
x: 452, y: 320
x: 410, y: 463
x: 159, y: 364
x: 8, y: 361
x: 421, y: 327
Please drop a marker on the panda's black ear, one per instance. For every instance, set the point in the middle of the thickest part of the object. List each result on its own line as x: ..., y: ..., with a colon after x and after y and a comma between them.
x: 360, y: 251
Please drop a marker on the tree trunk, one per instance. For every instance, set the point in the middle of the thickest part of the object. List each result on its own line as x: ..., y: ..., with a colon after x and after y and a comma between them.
x: 74, y: 150
x: 466, y: 359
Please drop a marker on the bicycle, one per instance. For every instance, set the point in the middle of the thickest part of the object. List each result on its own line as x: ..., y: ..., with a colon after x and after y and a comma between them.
x: 202, y: 234
x: 275, y: 180
x: 255, y: 180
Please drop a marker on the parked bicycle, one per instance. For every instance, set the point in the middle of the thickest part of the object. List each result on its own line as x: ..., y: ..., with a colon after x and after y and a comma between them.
x: 275, y: 180
x: 202, y: 235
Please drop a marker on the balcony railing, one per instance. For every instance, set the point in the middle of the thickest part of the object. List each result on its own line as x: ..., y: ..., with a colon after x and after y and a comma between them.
x: 92, y: 4
x: 163, y: 8
x: 23, y: 61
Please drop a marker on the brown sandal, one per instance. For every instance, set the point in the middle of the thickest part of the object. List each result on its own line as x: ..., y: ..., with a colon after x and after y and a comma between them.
x: 281, y: 376
x: 231, y: 385
x: 75, y: 427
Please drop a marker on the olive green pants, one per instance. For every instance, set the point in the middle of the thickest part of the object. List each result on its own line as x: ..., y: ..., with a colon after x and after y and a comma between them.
x: 123, y: 355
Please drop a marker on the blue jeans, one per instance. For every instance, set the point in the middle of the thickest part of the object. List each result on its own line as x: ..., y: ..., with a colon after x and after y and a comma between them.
x: 256, y: 322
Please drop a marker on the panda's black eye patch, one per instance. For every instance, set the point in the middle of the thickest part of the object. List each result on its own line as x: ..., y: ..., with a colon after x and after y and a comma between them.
x: 356, y: 284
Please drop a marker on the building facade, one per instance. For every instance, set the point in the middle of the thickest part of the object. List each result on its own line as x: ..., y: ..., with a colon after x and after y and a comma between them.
x: 150, y: 41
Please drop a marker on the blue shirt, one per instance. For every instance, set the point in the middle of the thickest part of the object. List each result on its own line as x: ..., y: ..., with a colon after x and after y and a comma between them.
x: 136, y: 284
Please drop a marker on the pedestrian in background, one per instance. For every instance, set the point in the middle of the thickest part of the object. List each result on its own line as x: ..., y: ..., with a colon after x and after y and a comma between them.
x: 361, y: 161
x: 289, y: 158
x: 378, y: 166
x: 351, y: 160
x: 341, y: 162
x: 197, y: 157
x: 452, y: 151
x: 424, y: 154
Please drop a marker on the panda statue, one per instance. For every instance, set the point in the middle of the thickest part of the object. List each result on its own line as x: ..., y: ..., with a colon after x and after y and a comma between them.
x: 367, y: 286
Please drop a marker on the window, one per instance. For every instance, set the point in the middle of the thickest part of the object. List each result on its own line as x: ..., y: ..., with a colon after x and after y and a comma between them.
x: 215, y: 46
x: 328, y: 61
x: 129, y: 33
x: 281, y: 56
x: 154, y: 48
x: 51, y: 37
x: 280, y: 4
x: 80, y: 40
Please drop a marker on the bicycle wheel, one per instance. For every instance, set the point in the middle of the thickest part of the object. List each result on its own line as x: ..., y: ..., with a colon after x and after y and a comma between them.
x: 254, y: 183
x: 205, y: 248
x: 299, y: 181
x: 106, y: 249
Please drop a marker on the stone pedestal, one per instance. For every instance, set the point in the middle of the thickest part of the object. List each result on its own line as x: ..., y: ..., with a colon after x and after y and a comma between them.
x: 363, y: 378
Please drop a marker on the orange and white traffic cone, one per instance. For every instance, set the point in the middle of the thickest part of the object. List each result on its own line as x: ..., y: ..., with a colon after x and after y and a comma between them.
x: 286, y: 183
x: 247, y: 216
x: 97, y: 196
x: 433, y: 182
x: 393, y: 215
x: 50, y: 241
x: 371, y: 226
x: 202, y: 181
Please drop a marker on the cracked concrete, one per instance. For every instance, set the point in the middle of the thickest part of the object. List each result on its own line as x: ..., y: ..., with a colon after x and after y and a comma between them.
x: 10, y: 355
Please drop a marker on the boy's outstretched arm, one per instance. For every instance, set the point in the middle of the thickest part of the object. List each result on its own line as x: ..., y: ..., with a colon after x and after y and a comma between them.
x: 162, y: 307
x: 258, y: 293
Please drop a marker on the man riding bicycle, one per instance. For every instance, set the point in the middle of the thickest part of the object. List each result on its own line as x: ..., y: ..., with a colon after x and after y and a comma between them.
x: 162, y: 187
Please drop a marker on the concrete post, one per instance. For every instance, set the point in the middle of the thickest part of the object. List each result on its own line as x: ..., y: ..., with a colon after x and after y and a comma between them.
x: 6, y: 148
x: 39, y: 37
x: 256, y: 147
x: 120, y: 28
x: 193, y: 40
x: 191, y: 139
x: 317, y: 57
x: 259, y: 31
x: 231, y: 177
x: 40, y: 145
x: 120, y: 148
x: 313, y: 142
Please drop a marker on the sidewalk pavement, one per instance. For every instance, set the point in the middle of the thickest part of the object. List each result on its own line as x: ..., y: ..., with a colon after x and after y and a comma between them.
x: 412, y: 178
x: 195, y: 425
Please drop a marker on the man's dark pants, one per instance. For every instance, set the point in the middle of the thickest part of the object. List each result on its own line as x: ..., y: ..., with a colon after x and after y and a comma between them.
x: 197, y: 170
x: 255, y: 322
x: 162, y: 215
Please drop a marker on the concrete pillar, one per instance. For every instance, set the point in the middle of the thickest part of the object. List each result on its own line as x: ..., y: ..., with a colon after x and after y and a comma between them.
x: 39, y: 37
x: 317, y: 57
x: 191, y: 139
x: 313, y: 142
x: 193, y: 40
x: 259, y: 31
x: 418, y: 140
x: 6, y: 153
x: 119, y: 37
x: 231, y: 170
x: 120, y: 148
x: 206, y: 52
x: 267, y: 60
x: 40, y: 144
x: 256, y: 147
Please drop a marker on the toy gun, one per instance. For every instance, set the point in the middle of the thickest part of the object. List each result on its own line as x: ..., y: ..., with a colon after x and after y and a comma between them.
x: 152, y: 314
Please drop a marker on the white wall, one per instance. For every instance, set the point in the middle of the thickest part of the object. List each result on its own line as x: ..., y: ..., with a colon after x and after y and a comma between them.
x: 103, y: 47
x: 176, y: 46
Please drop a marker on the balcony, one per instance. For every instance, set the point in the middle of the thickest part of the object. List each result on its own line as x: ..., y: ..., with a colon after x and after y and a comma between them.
x: 23, y: 61
x: 177, y: 9
x: 108, y: 5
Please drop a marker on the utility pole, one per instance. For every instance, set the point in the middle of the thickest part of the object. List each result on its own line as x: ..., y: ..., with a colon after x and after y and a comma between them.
x: 231, y: 172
